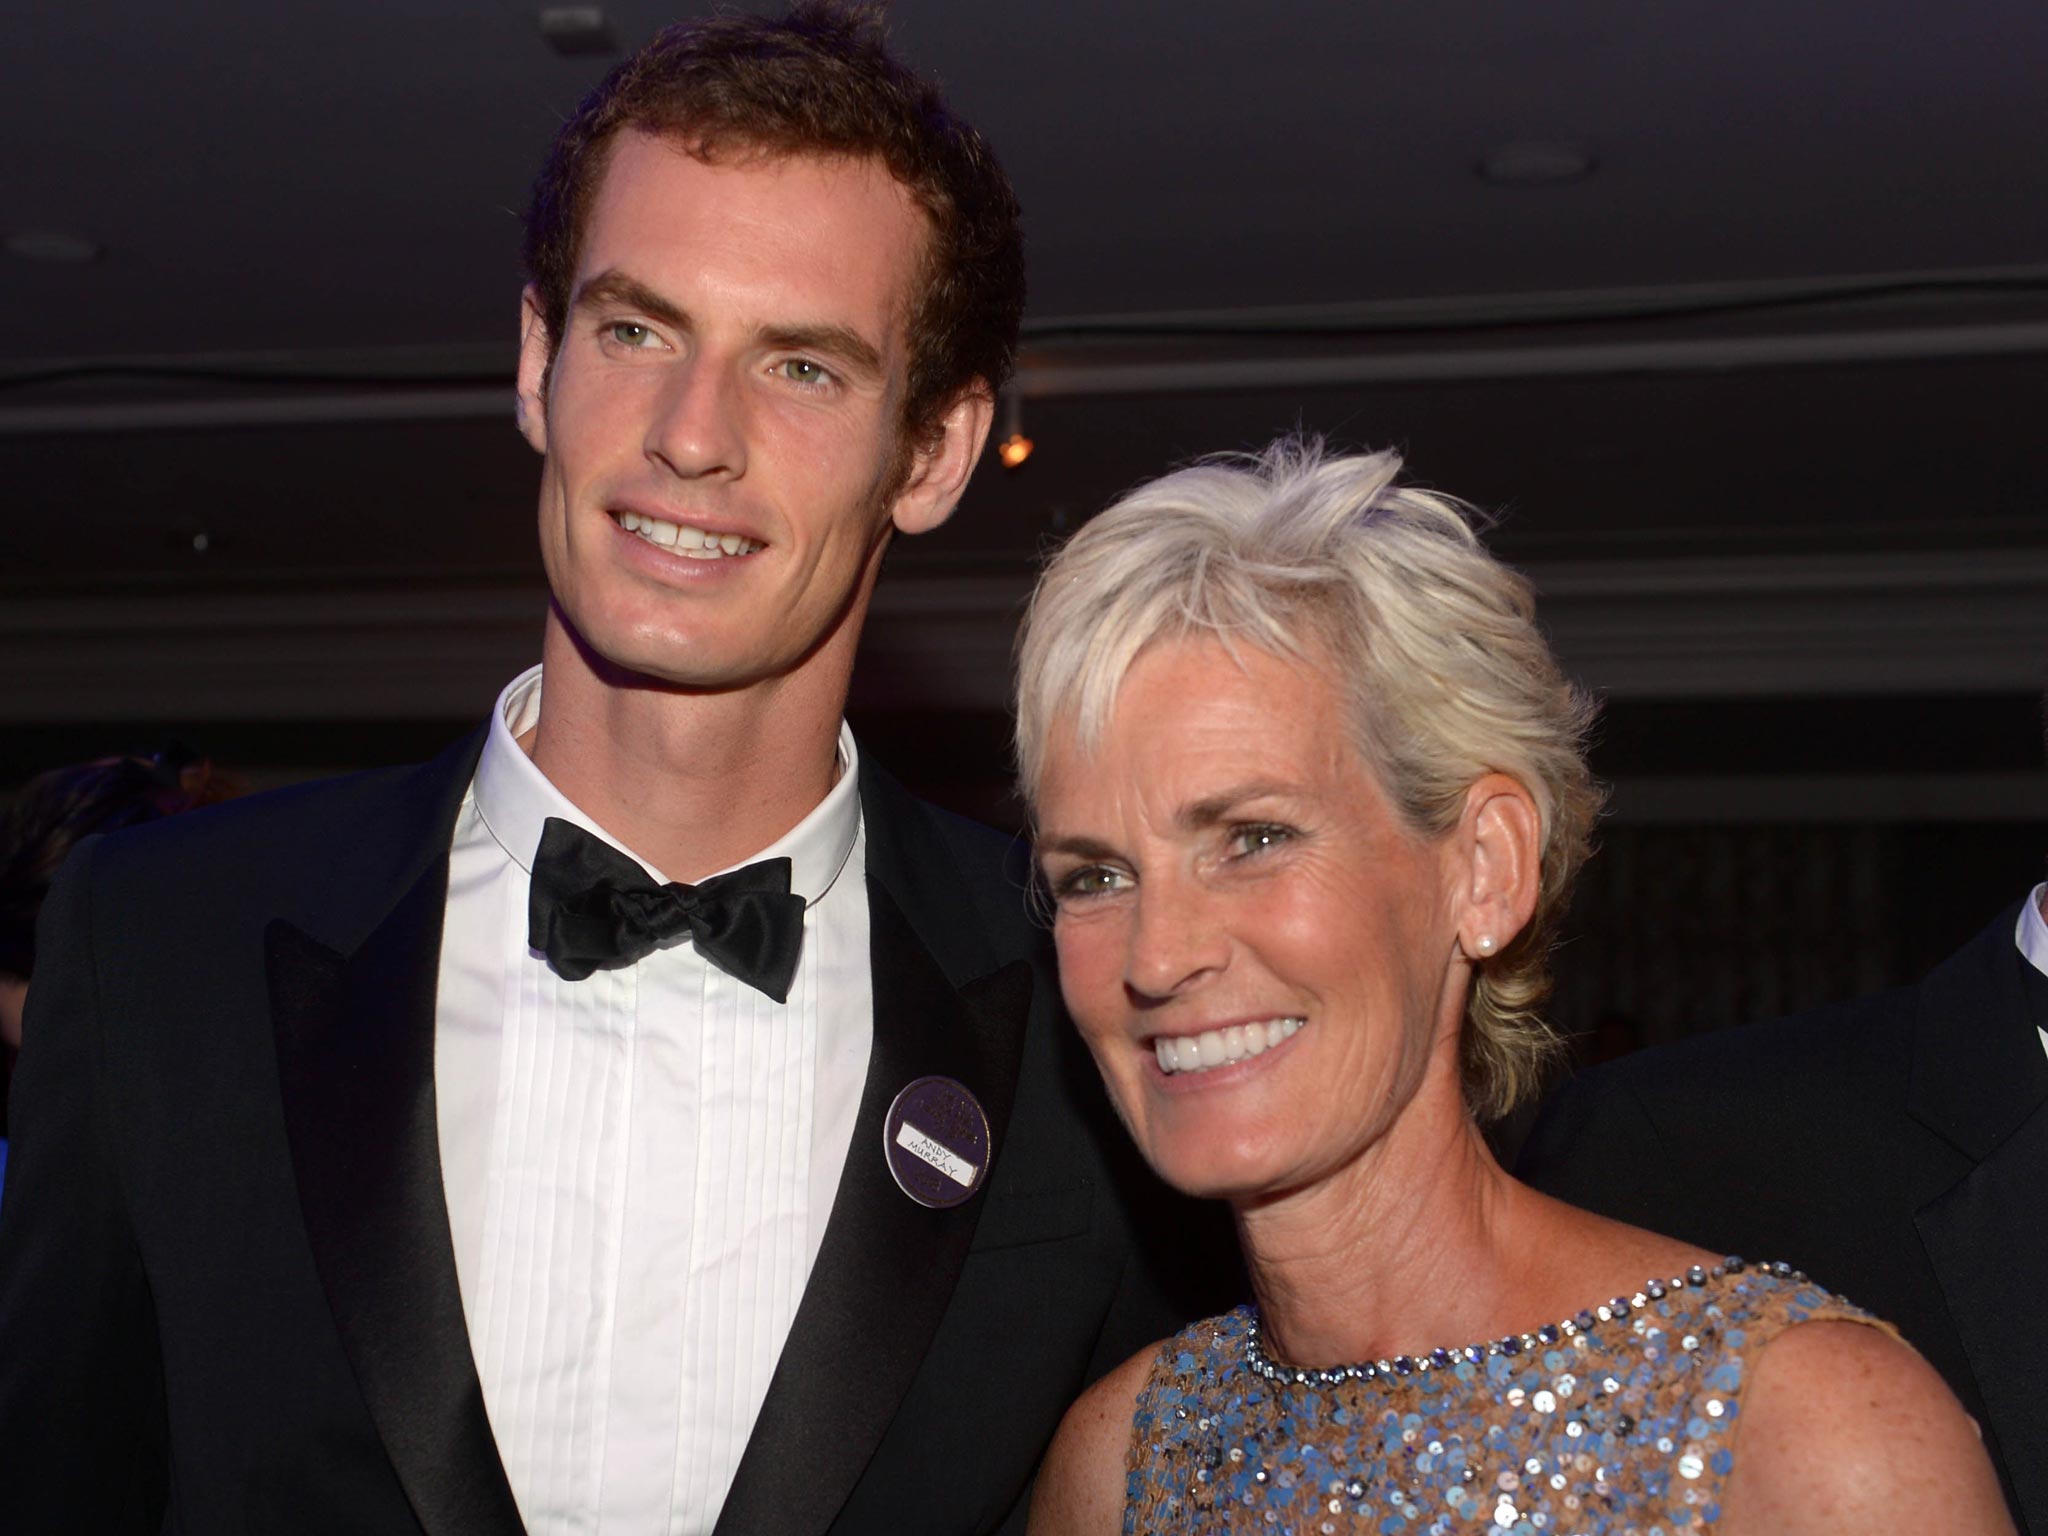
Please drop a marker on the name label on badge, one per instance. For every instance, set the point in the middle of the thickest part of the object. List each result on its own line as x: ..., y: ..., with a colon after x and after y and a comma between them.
x: 918, y: 1144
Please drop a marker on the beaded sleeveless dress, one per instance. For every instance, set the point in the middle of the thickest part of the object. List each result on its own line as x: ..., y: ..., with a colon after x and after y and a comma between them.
x: 1620, y: 1420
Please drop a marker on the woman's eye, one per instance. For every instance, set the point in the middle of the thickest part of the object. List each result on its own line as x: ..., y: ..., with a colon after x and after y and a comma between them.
x: 1258, y: 838
x: 1089, y: 880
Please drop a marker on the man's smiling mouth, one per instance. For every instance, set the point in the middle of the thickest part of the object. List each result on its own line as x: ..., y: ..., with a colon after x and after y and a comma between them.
x: 682, y: 539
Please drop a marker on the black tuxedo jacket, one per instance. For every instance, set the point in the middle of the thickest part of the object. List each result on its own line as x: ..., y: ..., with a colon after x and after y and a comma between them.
x: 1895, y: 1148
x: 228, y: 1299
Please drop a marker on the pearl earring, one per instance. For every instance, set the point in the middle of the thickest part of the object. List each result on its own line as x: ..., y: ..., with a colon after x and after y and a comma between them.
x: 1486, y: 943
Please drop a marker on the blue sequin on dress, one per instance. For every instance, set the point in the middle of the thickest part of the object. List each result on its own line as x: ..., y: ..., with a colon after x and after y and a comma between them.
x: 1622, y: 1420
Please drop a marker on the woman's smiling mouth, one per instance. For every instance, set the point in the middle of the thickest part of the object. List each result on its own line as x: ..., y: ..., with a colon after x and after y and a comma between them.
x: 1221, y: 1047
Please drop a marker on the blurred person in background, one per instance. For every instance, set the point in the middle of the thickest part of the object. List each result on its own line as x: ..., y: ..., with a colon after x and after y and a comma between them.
x: 48, y: 816
x: 1897, y: 1144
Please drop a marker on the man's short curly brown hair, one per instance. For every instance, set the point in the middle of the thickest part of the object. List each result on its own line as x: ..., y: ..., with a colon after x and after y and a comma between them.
x: 820, y: 81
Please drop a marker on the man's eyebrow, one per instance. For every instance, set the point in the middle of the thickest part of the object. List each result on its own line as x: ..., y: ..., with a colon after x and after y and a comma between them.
x: 615, y: 287
x: 853, y: 352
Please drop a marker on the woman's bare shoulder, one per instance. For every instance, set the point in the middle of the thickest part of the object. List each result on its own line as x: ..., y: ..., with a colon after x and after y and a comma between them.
x: 1845, y: 1427
x: 1577, y: 1255
x: 1080, y: 1488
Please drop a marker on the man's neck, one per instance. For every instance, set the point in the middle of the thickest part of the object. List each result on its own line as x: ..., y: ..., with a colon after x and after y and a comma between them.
x: 692, y: 782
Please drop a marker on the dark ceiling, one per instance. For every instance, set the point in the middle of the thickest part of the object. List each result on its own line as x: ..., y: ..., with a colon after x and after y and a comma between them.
x: 322, y: 177
x: 1786, y: 328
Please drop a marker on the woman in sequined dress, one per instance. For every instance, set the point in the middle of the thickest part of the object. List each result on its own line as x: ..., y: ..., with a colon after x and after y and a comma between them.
x: 1310, y: 794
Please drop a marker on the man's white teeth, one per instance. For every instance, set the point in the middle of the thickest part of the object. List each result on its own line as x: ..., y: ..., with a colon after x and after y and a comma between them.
x: 1219, y: 1047
x: 691, y: 543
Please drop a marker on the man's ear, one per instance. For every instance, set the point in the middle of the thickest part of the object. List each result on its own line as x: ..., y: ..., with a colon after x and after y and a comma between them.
x: 938, y: 474
x: 1502, y: 832
x: 536, y: 351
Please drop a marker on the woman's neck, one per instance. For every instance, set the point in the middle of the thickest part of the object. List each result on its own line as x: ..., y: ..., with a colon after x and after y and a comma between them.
x: 1425, y: 1242
x: 1422, y: 1241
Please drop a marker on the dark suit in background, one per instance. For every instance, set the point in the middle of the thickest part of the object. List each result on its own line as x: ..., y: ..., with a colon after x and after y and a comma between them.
x: 228, y: 1297
x: 1895, y: 1148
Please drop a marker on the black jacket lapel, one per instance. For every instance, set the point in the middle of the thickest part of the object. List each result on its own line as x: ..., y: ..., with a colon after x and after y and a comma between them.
x: 888, y: 1266
x: 1987, y: 1239
x: 355, y: 1047
x: 1980, y: 1079
x: 1978, y: 1070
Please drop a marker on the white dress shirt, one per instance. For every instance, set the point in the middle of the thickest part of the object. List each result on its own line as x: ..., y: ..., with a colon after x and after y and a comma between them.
x: 639, y: 1166
x: 2031, y: 934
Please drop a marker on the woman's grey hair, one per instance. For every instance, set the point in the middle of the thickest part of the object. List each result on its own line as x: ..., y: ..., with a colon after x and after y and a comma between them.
x: 1432, y: 643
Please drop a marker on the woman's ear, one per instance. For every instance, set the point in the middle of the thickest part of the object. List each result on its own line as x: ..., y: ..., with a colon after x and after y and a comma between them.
x: 1502, y: 836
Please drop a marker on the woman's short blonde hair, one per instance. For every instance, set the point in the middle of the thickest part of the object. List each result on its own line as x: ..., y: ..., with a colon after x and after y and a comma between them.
x: 1431, y: 641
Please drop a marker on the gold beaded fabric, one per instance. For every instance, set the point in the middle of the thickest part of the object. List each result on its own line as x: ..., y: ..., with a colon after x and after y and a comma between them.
x: 1621, y: 1421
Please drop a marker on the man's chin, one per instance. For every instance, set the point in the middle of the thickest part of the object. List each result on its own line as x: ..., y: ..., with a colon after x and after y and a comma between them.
x: 658, y: 669
x: 620, y: 651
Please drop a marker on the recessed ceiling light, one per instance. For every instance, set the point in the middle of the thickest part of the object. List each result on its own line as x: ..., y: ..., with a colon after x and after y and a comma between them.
x: 577, y: 30
x: 52, y: 245
x: 1536, y: 163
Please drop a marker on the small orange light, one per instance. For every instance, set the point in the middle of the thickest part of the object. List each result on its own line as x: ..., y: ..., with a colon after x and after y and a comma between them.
x: 1014, y: 450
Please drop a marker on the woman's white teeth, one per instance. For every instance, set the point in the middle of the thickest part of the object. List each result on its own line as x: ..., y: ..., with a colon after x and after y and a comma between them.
x: 691, y: 543
x: 1219, y: 1047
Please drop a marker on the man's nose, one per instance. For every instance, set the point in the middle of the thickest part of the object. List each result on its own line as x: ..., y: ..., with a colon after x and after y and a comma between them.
x: 698, y: 426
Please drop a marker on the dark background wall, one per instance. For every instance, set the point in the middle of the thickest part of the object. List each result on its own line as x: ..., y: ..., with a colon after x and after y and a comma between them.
x: 1737, y: 317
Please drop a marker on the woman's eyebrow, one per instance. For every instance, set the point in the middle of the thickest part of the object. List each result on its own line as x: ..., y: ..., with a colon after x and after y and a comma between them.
x: 1211, y: 809
x: 1079, y: 847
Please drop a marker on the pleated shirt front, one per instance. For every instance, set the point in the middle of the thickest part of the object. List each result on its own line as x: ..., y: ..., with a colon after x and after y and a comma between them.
x: 639, y: 1166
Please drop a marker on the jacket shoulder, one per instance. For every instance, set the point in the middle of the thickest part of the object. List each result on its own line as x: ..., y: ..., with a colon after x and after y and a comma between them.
x: 1838, y: 1044
x: 965, y: 887
x: 1657, y: 1136
x: 274, y: 848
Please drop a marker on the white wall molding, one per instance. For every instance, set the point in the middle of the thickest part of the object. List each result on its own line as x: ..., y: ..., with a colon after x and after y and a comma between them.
x: 1810, y: 799
x: 1934, y: 622
x: 1048, y: 377
x: 1942, y: 622
x: 317, y: 655
x: 1899, y: 316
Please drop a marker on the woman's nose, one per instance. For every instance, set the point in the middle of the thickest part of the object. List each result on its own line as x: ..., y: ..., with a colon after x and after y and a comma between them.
x: 1176, y: 940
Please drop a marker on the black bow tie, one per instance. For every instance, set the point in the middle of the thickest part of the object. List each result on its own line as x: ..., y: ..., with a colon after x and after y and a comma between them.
x: 590, y: 906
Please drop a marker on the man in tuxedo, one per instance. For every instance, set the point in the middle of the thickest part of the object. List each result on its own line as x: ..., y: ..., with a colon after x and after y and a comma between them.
x: 1895, y: 1148
x: 507, y: 1143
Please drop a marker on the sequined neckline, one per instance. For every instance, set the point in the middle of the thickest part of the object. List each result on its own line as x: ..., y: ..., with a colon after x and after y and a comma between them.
x: 1260, y: 1364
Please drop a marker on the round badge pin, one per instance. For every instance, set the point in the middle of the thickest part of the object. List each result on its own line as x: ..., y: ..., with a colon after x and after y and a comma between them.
x: 936, y: 1141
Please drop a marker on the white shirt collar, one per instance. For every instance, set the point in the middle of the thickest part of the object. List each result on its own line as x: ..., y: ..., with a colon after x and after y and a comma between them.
x: 2032, y: 932
x: 514, y: 799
